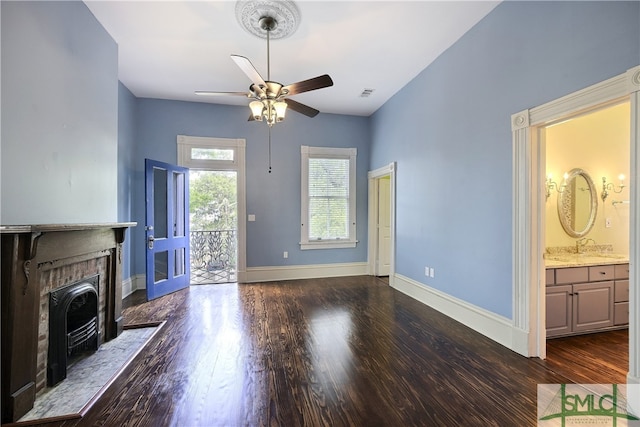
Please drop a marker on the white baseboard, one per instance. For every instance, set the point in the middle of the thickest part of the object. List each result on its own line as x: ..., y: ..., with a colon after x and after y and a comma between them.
x: 491, y: 325
x: 132, y: 284
x: 294, y: 272
x: 127, y: 287
x: 270, y: 274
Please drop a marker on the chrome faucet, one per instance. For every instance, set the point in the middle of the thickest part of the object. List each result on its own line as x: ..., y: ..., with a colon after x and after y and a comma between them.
x: 583, y: 242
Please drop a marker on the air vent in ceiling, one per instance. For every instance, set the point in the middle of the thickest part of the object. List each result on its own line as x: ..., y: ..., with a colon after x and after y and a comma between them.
x: 366, y: 93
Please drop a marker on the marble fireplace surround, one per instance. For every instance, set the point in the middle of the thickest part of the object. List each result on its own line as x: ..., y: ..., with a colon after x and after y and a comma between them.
x: 37, y: 259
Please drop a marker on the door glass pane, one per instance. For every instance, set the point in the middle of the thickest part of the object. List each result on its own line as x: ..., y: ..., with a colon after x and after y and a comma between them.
x: 160, y: 203
x: 178, y: 205
x: 180, y: 267
x: 161, y: 266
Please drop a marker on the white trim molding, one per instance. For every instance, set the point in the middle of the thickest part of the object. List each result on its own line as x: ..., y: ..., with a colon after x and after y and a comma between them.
x: 271, y: 274
x: 528, y: 210
x: 127, y: 287
x: 295, y: 272
x: 633, y: 377
x: 306, y: 154
x: 132, y: 284
x: 489, y: 324
x: 372, y: 248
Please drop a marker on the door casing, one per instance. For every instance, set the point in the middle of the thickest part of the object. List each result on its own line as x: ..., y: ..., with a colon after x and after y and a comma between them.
x: 185, y: 144
x: 373, y: 249
x: 529, y: 337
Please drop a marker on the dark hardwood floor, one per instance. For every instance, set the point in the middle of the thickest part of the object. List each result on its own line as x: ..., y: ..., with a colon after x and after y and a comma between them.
x: 336, y: 352
x: 601, y: 358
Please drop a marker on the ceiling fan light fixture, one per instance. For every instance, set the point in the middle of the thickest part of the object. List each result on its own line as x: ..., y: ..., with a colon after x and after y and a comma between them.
x: 281, y: 110
x: 257, y: 108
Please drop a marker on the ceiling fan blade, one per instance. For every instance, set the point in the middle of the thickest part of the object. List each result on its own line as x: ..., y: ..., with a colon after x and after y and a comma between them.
x: 247, y: 67
x: 301, y: 108
x: 308, y: 85
x: 210, y: 93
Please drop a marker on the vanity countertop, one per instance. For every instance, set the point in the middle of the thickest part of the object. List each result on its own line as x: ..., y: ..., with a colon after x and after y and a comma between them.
x: 584, y: 259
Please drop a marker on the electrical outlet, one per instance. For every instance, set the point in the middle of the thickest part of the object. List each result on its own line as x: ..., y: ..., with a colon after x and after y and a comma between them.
x: 285, y: 254
x: 251, y: 218
x: 431, y: 272
x: 426, y: 271
x: 607, y: 222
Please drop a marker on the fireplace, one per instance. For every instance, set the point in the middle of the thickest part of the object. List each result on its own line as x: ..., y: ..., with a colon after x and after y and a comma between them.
x: 76, y: 271
x: 73, y: 326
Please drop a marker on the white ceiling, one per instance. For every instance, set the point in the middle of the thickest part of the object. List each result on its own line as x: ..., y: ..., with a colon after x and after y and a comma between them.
x: 168, y: 50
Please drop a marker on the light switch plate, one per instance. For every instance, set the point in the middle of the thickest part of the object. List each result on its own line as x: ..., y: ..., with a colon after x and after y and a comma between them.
x: 251, y: 218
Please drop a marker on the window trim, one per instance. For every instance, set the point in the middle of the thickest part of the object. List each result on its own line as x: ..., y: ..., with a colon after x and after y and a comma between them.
x: 187, y: 143
x: 326, y: 153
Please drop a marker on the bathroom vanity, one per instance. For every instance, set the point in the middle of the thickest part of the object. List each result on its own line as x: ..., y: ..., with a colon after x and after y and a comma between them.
x: 587, y: 284
x: 586, y: 293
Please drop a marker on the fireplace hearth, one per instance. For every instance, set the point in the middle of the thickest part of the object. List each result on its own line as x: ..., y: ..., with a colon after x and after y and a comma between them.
x: 73, y: 326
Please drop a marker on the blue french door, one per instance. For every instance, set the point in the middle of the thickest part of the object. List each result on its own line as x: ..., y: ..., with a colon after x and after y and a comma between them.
x: 167, y: 228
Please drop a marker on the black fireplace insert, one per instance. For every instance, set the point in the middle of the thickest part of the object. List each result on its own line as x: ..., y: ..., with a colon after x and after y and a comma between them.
x: 73, y: 326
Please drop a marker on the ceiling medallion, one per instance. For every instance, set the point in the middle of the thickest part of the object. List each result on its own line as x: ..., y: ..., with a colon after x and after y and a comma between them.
x: 285, y: 13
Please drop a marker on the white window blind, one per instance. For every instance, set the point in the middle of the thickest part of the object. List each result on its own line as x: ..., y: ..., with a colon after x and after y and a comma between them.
x: 328, y: 198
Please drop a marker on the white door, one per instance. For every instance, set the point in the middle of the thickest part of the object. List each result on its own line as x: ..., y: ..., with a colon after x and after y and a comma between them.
x: 384, y: 227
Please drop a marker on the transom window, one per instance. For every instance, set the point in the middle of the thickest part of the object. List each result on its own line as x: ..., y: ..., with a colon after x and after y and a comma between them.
x: 328, y: 218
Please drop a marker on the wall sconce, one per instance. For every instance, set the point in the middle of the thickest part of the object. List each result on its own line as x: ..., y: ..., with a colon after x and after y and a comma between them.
x: 552, y: 185
x: 611, y: 187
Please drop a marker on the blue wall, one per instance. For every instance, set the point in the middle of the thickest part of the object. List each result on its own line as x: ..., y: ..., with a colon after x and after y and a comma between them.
x: 126, y: 160
x: 59, y: 115
x: 449, y: 130
x: 273, y: 197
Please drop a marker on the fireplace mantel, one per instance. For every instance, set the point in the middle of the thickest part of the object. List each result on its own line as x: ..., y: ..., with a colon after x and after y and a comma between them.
x: 29, y: 252
x: 44, y: 228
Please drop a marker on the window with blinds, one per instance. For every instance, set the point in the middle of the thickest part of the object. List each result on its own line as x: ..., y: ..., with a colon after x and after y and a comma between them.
x: 328, y: 198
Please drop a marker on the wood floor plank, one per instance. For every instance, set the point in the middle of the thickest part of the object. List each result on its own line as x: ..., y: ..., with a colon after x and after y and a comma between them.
x: 601, y: 358
x: 328, y: 352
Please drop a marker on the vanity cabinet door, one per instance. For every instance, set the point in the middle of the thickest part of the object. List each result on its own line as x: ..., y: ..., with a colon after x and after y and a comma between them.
x: 558, y: 310
x: 592, y: 306
x: 621, y: 312
x: 621, y: 291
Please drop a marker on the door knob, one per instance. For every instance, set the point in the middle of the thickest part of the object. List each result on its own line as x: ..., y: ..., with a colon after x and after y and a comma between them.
x: 150, y: 241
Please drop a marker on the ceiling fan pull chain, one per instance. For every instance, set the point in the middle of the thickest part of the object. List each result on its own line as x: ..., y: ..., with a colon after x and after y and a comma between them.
x: 269, y: 149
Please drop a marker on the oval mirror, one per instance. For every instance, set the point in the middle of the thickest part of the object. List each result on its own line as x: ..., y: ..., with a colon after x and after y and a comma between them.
x: 577, y: 203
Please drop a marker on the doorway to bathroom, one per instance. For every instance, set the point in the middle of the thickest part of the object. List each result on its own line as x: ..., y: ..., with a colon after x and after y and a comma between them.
x: 529, y: 205
x: 586, y: 237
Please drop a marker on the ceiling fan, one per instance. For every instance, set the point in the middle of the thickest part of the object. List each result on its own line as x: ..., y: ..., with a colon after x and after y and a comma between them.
x: 270, y: 98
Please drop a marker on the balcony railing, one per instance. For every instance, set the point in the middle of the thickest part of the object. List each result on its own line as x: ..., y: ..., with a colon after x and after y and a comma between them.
x: 213, y: 256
